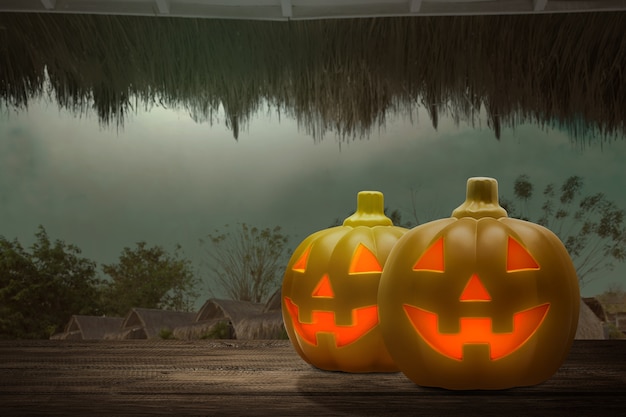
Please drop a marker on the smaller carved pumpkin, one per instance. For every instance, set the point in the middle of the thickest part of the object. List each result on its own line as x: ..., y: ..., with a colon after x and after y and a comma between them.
x: 330, y: 287
x: 479, y: 300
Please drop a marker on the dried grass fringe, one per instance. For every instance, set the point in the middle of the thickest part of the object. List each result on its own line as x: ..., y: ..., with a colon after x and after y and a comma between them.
x: 343, y: 76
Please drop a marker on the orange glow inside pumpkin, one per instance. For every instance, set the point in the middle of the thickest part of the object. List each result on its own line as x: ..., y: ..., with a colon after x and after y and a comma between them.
x: 364, y: 319
x: 518, y: 258
x: 431, y: 260
x: 475, y: 291
x: 364, y: 261
x: 300, y: 264
x: 476, y: 330
x: 323, y: 288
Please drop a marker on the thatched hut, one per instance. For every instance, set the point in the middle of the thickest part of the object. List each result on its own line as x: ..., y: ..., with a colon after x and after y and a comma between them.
x: 89, y: 327
x: 266, y: 325
x: 274, y: 302
x: 232, y: 310
x: 148, y: 323
x: 589, y: 325
x: 218, y: 319
x: 594, y: 304
x: 340, y: 75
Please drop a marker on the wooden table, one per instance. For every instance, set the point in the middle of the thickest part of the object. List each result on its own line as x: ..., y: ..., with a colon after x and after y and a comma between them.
x: 249, y: 378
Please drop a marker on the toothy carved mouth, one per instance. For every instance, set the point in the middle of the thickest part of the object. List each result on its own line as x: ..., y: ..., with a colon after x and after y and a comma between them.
x: 364, y: 319
x: 476, y: 330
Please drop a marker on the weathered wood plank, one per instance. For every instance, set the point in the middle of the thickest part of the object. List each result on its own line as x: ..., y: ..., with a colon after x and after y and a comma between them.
x: 268, y: 378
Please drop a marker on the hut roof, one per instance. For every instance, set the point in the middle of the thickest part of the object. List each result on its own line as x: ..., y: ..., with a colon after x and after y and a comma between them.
x: 92, y: 327
x: 594, y: 304
x: 152, y: 321
x: 231, y: 310
x: 274, y: 302
x: 589, y: 325
x: 266, y: 325
x: 205, y: 329
x: 345, y: 75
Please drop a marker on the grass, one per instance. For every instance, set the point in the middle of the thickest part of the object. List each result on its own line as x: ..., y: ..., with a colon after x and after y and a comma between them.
x: 343, y: 75
x: 220, y: 331
x: 167, y: 334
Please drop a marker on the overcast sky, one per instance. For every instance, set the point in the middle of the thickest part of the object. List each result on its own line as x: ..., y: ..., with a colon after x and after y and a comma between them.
x: 165, y: 179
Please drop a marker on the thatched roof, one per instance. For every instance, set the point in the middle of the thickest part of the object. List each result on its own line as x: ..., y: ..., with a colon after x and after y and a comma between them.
x: 147, y: 323
x: 267, y: 325
x: 218, y: 328
x: 244, y: 319
x: 230, y: 310
x: 342, y: 76
x: 128, y: 334
x: 589, y: 325
x: 213, y: 316
x: 274, y: 302
x: 594, y: 304
x: 90, y: 327
x: 73, y: 335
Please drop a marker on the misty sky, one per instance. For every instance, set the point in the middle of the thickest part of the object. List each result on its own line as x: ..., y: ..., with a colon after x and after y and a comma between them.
x: 165, y: 179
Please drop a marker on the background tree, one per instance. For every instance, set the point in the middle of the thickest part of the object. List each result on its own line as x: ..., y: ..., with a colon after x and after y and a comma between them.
x: 149, y: 277
x: 41, y: 289
x: 613, y: 299
x: 247, y: 262
x: 590, y: 226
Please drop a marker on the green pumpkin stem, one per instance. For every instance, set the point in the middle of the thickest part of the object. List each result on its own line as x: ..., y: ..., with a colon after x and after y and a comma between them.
x: 370, y: 211
x: 481, y: 200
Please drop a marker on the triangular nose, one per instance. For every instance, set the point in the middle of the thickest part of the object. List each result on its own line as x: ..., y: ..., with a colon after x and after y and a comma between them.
x: 323, y: 288
x: 475, y: 291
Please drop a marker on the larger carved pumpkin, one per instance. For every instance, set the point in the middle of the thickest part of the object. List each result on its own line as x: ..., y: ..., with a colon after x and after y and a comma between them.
x: 479, y: 300
x: 330, y: 288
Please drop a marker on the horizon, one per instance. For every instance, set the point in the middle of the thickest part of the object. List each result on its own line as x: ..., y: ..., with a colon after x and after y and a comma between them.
x: 165, y: 179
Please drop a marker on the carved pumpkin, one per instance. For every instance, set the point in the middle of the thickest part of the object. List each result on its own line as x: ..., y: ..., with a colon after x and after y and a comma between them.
x: 330, y: 288
x: 479, y: 300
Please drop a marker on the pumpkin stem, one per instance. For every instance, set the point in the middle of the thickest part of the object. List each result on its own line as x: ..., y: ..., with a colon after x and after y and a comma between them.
x: 481, y: 200
x: 370, y: 211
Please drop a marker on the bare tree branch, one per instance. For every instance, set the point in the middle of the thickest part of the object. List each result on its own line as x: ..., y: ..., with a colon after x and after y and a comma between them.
x: 247, y: 262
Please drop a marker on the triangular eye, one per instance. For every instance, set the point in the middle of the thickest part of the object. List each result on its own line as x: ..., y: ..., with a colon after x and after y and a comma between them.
x: 300, y: 265
x: 518, y: 258
x: 432, y: 259
x: 364, y: 261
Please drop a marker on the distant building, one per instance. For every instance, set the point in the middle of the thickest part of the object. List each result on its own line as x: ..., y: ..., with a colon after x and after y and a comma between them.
x: 148, y: 323
x: 89, y: 328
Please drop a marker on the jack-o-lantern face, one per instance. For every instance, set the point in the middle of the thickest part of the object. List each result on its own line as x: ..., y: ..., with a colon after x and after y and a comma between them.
x: 330, y: 291
x: 479, y: 300
x: 477, y: 330
x: 364, y: 318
